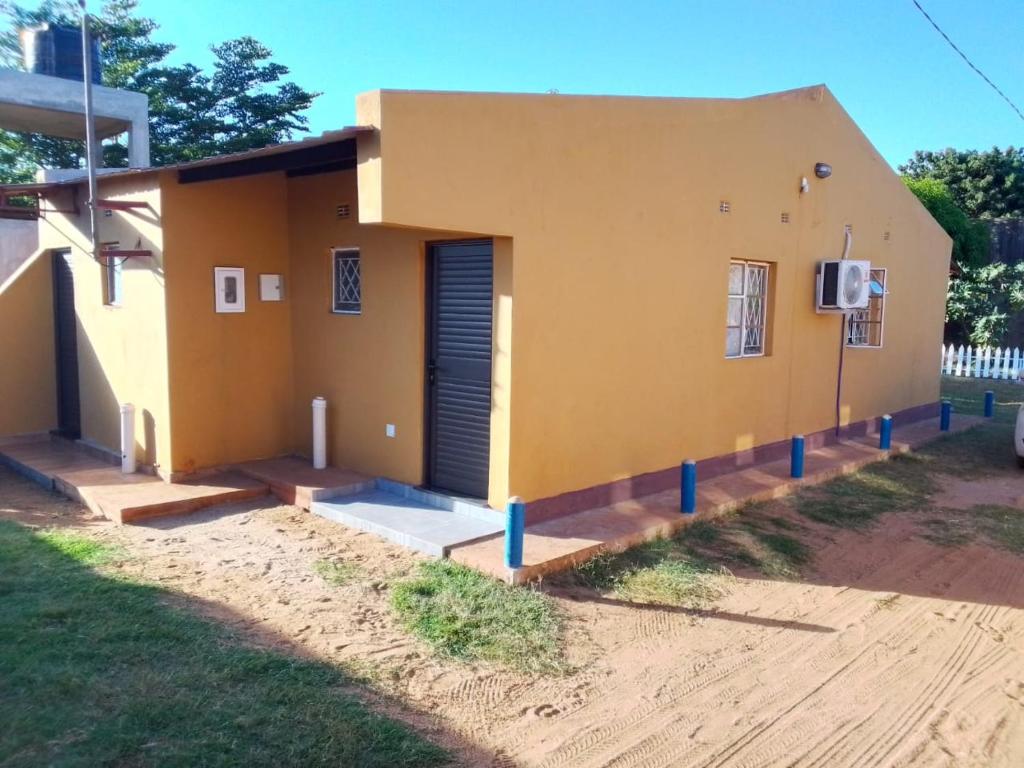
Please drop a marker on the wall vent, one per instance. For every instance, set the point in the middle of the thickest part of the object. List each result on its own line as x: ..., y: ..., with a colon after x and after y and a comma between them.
x: 784, y: 218
x: 848, y: 229
x: 885, y: 236
x: 723, y: 206
x: 343, y: 211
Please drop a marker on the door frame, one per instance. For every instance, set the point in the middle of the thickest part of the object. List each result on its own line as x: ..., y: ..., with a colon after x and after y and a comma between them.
x: 62, y: 429
x: 428, y: 339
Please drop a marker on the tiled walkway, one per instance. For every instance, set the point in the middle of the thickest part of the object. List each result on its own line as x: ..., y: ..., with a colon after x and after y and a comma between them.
x: 410, y: 519
x: 558, y: 544
x: 68, y: 469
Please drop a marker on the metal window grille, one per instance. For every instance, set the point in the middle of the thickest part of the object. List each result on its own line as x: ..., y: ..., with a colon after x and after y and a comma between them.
x: 348, y: 289
x: 866, y: 325
x: 747, y: 312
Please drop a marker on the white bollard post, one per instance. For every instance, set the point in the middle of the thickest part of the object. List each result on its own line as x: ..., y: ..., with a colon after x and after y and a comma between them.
x: 319, y: 433
x: 128, y: 463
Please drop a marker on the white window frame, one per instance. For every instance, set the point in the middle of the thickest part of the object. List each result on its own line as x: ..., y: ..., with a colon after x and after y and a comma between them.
x: 881, y: 315
x: 113, y: 277
x: 337, y: 303
x: 743, y: 310
x: 221, y: 303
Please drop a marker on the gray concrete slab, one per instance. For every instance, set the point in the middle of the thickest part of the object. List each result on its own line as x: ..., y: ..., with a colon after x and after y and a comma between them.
x: 411, y: 522
x: 56, y: 107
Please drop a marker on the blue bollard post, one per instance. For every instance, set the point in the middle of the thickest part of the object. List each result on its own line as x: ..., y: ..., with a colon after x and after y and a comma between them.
x: 796, y: 457
x: 990, y: 403
x: 688, y: 489
x: 515, y: 526
x: 885, y: 433
x: 944, y: 417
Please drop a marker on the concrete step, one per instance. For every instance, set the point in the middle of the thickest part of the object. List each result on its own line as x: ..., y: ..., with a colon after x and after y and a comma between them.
x: 294, y: 481
x: 146, y: 501
x: 407, y: 520
x: 462, y: 506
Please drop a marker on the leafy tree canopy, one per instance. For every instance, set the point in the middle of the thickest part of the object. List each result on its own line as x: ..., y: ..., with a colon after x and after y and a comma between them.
x: 970, y: 238
x: 980, y: 301
x: 243, y: 103
x: 985, y: 185
x: 981, y: 294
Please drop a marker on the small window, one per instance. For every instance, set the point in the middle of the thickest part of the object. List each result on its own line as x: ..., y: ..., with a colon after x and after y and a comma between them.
x: 865, y: 325
x: 747, y: 314
x: 348, y: 284
x: 113, y: 278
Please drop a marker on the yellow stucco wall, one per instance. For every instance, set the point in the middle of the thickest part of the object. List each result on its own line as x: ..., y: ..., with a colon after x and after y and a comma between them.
x: 230, y: 374
x: 370, y: 366
x: 28, y: 398
x: 621, y: 259
x: 122, y: 351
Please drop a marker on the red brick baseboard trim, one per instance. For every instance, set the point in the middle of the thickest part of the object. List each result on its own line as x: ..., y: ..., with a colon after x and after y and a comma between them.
x: 664, y: 479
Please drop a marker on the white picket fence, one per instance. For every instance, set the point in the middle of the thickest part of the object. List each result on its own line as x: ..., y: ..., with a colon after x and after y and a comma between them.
x: 981, y: 362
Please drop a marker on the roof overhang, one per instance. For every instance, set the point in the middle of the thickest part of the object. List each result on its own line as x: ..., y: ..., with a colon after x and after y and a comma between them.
x: 331, y: 151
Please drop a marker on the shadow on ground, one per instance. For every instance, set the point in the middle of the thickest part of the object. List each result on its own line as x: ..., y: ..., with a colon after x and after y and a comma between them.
x: 100, y: 670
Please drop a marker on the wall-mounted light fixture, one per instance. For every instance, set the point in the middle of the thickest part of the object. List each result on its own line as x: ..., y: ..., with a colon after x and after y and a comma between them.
x: 822, y: 170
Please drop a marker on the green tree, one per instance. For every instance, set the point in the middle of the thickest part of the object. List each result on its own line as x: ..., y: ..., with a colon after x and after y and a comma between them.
x: 243, y: 104
x: 985, y: 185
x: 981, y: 294
x: 970, y: 238
x: 980, y: 301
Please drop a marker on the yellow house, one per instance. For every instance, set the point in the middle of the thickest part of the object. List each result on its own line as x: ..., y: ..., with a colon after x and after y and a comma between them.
x: 557, y: 297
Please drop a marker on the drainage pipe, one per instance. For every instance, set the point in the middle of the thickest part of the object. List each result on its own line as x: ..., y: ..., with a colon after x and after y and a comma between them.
x: 319, y: 433
x: 128, y: 462
x: 92, y: 147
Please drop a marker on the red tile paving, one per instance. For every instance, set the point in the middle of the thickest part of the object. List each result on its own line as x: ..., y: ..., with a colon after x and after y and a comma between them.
x: 294, y: 481
x: 558, y: 544
x: 101, y: 487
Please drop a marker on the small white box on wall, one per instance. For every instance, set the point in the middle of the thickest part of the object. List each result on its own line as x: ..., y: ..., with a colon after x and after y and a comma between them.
x: 271, y: 288
x: 229, y: 289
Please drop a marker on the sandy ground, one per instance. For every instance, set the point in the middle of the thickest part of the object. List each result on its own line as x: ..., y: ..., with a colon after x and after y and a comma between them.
x: 889, y: 651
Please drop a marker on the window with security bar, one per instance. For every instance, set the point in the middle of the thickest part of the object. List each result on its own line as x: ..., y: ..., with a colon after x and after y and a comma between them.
x: 865, y: 325
x: 348, y: 288
x: 747, y: 314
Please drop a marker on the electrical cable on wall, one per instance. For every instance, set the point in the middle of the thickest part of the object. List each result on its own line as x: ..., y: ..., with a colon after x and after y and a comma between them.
x: 847, y: 244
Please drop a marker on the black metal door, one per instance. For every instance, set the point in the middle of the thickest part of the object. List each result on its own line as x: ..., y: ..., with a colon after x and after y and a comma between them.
x: 65, y: 324
x: 459, y: 367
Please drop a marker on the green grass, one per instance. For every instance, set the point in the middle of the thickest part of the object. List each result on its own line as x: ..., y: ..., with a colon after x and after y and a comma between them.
x: 693, y: 567
x: 967, y: 396
x: 337, y: 573
x: 465, y: 615
x: 1002, y: 526
x: 100, y: 670
x: 80, y: 548
x: 907, y: 483
x: 673, y: 582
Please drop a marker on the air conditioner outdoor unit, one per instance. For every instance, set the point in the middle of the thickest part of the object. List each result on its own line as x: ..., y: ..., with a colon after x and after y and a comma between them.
x: 843, y: 285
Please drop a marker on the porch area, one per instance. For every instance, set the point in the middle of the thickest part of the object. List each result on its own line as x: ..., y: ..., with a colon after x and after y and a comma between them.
x: 424, y: 521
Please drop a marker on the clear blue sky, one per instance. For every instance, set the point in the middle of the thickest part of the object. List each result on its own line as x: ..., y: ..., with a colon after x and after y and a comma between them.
x: 894, y: 74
